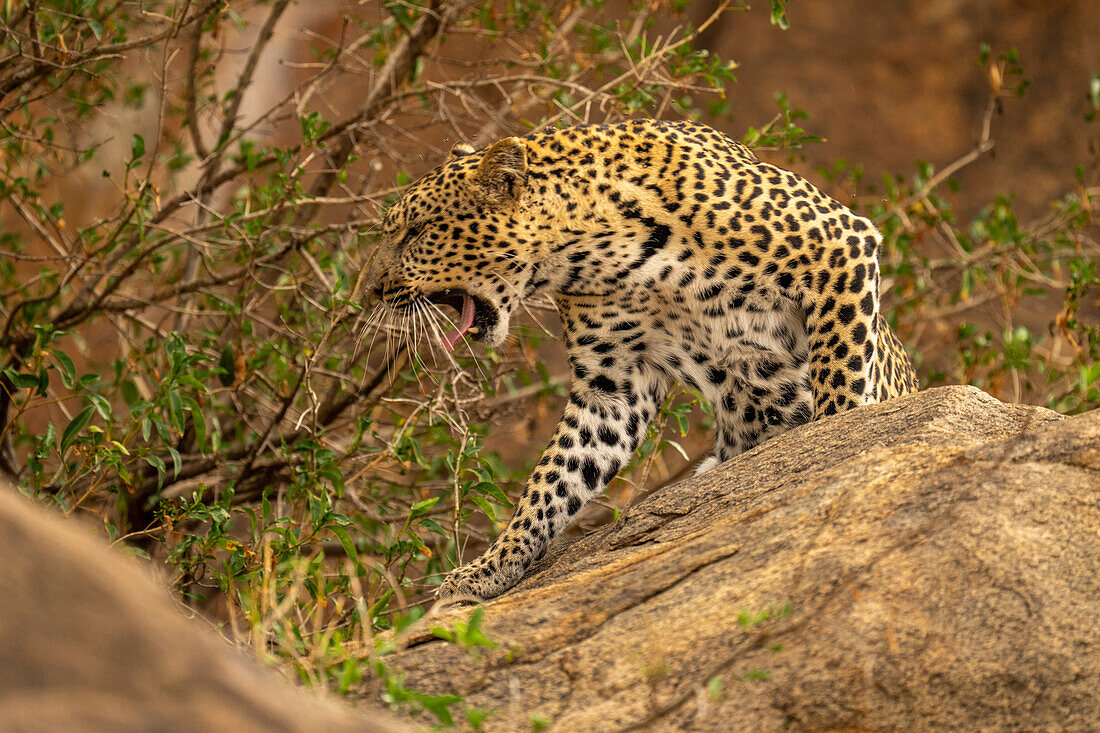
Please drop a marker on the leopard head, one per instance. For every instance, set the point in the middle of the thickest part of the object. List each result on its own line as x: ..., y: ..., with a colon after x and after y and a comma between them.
x: 458, y: 248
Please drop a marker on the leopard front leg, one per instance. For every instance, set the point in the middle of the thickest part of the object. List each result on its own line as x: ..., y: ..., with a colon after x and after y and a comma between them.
x: 603, y: 423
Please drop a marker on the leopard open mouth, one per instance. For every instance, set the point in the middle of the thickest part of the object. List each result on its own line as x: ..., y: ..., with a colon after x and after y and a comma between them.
x: 475, y: 315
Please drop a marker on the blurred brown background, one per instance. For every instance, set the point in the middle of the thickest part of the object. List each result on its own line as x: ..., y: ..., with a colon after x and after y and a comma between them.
x: 890, y: 83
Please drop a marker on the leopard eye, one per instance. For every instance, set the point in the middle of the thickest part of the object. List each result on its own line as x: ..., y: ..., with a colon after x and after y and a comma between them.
x: 410, y: 234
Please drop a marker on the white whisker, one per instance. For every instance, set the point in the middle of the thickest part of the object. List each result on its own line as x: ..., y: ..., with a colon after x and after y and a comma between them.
x: 469, y: 347
x: 374, y: 324
x: 434, y: 309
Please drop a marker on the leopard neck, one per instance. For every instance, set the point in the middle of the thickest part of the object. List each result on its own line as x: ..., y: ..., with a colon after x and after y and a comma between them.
x: 601, y: 236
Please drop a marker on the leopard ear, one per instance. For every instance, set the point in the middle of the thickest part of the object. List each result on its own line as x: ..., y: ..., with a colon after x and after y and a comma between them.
x: 503, y: 171
x: 461, y: 149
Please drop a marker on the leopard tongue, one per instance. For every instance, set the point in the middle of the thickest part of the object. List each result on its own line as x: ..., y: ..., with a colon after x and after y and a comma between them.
x: 464, y: 323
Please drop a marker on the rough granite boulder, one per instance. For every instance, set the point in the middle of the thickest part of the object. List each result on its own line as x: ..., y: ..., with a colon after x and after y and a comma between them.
x: 931, y: 563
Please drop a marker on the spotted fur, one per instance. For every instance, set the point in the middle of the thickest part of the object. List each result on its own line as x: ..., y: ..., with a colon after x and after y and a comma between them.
x: 674, y: 255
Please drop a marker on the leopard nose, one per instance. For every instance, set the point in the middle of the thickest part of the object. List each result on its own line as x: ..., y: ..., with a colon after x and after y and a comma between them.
x: 394, y: 296
x: 383, y: 288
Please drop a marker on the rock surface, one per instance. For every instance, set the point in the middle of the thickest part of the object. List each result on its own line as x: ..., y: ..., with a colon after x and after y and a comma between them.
x: 931, y: 563
x: 89, y: 642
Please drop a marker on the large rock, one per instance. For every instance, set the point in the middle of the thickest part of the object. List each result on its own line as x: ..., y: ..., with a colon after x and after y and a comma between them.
x: 89, y: 642
x: 931, y: 563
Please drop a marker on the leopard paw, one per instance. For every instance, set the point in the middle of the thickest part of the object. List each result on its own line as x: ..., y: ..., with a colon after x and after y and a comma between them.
x: 476, y: 581
x: 461, y: 583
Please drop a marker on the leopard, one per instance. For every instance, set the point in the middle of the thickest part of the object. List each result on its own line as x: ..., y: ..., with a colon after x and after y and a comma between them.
x: 674, y: 256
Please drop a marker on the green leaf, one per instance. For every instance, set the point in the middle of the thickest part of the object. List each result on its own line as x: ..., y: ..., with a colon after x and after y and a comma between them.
x: 176, y: 411
x: 441, y: 633
x: 485, y: 506
x: 439, y: 707
x: 101, y: 405
x: 349, y: 546
x: 676, y: 447
x: 21, y: 381
x: 471, y: 634
x: 158, y: 463
x: 490, y: 489
x: 177, y: 464
x: 477, y: 717
x: 137, y: 147
x: 65, y: 367
x: 433, y: 526
x: 421, y: 507
x: 74, y: 427
x: 198, y: 420
x: 48, y: 439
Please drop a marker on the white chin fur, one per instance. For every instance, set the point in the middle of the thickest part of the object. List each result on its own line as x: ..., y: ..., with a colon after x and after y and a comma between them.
x: 496, y: 335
